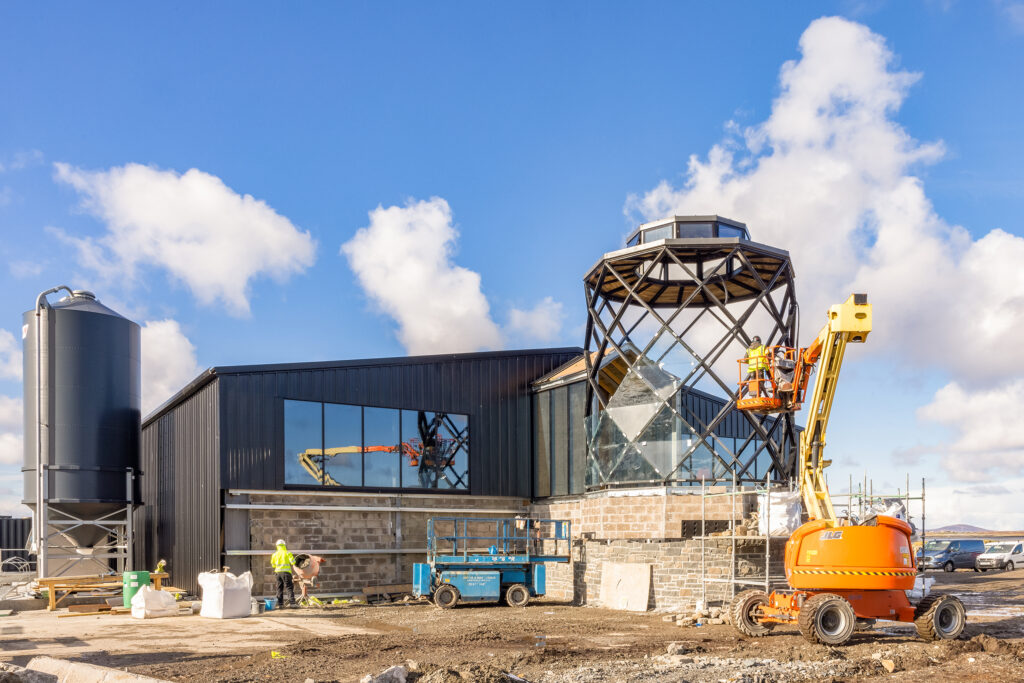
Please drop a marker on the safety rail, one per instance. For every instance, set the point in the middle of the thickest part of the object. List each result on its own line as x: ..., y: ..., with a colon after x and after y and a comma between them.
x: 475, y: 540
x: 782, y: 383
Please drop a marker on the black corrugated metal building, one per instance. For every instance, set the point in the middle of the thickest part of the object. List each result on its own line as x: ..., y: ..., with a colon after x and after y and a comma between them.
x: 361, y: 425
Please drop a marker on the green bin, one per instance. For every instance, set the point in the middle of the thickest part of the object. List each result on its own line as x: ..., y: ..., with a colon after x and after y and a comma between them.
x: 133, y: 581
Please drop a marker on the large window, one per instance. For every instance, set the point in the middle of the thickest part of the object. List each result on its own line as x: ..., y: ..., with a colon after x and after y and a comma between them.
x: 559, y: 441
x: 333, y: 444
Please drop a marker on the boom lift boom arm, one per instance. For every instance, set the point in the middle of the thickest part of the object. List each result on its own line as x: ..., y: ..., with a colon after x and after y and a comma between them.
x: 848, y: 322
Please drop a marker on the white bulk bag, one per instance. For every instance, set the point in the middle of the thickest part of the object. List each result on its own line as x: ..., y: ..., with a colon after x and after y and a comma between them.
x: 226, y: 596
x: 784, y: 514
x: 149, y: 603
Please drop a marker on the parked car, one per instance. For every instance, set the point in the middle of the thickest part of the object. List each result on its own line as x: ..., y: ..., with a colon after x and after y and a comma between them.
x: 950, y: 555
x: 1006, y: 556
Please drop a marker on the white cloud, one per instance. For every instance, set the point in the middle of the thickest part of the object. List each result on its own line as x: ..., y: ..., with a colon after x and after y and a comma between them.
x: 10, y: 356
x: 10, y: 431
x: 989, y: 440
x: 1014, y: 12
x: 985, y: 506
x: 168, y: 362
x: 403, y: 261
x: 830, y: 176
x: 11, y: 448
x: 25, y: 269
x: 192, y: 225
x: 543, y: 322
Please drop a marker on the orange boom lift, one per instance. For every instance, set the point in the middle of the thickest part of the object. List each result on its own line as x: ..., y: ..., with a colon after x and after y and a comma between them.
x: 843, y: 573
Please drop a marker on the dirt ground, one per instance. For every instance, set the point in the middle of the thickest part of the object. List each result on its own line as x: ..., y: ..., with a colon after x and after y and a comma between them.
x: 548, y: 642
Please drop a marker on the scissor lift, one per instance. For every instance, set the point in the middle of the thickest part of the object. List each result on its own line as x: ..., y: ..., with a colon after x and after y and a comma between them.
x: 472, y: 559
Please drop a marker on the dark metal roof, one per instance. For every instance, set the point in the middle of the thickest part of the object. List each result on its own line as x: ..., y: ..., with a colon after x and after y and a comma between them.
x: 209, y: 374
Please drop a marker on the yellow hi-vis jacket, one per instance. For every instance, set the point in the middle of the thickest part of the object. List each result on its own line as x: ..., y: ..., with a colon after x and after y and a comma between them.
x: 757, y: 358
x: 282, y: 560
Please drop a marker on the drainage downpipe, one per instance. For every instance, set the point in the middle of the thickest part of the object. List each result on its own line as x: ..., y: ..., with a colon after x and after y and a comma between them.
x: 40, y: 530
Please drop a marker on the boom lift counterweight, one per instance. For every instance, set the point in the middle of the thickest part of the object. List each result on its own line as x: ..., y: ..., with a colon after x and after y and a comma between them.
x: 843, y: 573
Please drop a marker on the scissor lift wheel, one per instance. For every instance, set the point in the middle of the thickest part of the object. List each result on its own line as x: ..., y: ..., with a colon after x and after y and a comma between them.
x: 517, y: 595
x: 446, y: 596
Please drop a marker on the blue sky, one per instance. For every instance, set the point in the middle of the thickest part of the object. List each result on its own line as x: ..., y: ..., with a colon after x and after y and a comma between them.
x: 533, y: 124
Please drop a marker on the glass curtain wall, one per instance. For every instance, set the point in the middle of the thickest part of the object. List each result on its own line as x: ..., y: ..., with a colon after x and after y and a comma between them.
x: 332, y: 444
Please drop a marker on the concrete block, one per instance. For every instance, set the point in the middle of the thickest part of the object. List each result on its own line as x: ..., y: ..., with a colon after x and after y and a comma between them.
x: 77, y: 672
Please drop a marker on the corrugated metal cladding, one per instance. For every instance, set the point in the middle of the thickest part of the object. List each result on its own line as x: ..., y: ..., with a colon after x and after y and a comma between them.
x: 180, y: 519
x: 225, y: 431
x: 493, y: 389
x: 14, y: 533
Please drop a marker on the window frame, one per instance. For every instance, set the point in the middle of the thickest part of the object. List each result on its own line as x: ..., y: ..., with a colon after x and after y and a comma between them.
x: 280, y: 460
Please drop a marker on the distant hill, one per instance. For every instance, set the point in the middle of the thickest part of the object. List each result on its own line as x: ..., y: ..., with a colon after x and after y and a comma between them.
x: 959, y: 529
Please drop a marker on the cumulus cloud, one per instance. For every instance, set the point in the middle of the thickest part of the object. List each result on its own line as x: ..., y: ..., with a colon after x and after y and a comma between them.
x: 989, y: 441
x: 200, y: 231
x: 830, y: 175
x: 404, y: 262
x: 168, y: 362
x: 10, y: 356
x: 543, y: 322
x: 25, y: 268
x: 10, y: 431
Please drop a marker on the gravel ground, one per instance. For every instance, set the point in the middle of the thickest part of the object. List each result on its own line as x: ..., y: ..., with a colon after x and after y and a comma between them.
x: 548, y: 642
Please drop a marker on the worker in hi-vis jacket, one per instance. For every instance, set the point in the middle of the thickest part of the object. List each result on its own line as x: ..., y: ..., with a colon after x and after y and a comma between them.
x: 757, y: 367
x: 282, y: 561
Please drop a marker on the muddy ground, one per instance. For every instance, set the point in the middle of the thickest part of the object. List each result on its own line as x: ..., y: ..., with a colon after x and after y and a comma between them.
x: 548, y: 642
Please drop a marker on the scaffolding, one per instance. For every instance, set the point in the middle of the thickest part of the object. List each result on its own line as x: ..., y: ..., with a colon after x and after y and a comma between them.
x: 863, y: 499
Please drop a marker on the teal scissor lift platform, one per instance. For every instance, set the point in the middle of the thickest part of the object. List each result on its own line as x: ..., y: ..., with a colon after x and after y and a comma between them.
x: 473, y: 559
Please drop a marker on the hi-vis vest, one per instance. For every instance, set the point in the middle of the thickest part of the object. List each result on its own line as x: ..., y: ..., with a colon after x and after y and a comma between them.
x: 282, y: 561
x: 757, y: 358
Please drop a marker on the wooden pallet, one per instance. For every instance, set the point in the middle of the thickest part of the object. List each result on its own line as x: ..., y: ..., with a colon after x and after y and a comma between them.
x: 69, y: 585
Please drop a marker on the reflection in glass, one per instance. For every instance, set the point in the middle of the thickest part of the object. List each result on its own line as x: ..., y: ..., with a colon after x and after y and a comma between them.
x: 660, y: 443
x: 660, y: 233
x: 343, y: 435
x: 542, y: 444
x: 692, y: 230
x: 381, y: 445
x: 729, y: 231
x: 303, y: 441
x: 435, y: 450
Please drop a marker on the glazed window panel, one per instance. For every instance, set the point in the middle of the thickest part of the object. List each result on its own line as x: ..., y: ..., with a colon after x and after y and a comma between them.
x: 435, y: 450
x: 303, y: 442
x: 343, y: 439
x: 381, y: 447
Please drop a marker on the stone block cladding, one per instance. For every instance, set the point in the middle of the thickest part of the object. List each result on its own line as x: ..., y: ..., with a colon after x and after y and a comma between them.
x: 377, y: 527
x: 644, y: 526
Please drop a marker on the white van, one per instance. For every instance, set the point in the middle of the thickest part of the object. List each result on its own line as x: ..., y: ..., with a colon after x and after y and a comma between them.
x: 1003, y: 555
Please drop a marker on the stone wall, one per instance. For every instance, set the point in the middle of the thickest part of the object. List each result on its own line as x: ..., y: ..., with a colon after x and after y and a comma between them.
x: 646, y: 527
x: 365, y: 524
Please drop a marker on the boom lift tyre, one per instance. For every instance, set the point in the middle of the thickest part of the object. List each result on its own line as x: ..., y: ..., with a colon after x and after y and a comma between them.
x: 744, y: 612
x: 940, y: 617
x: 843, y: 573
x: 828, y: 619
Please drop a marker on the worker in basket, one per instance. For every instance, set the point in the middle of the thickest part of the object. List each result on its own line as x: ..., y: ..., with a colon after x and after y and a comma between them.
x: 757, y: 367
x: 282, y: 562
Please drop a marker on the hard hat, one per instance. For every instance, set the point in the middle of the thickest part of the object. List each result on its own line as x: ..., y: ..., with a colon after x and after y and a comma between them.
x: 280, y: 541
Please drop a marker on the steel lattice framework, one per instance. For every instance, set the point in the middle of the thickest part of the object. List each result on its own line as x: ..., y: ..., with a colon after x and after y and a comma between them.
x: 652, y: 303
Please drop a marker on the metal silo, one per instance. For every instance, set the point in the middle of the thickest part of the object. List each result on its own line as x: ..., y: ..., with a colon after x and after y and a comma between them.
x: 82, y: 388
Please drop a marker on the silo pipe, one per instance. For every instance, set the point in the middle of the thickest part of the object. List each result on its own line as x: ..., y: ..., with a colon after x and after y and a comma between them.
x: 40, y: 525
